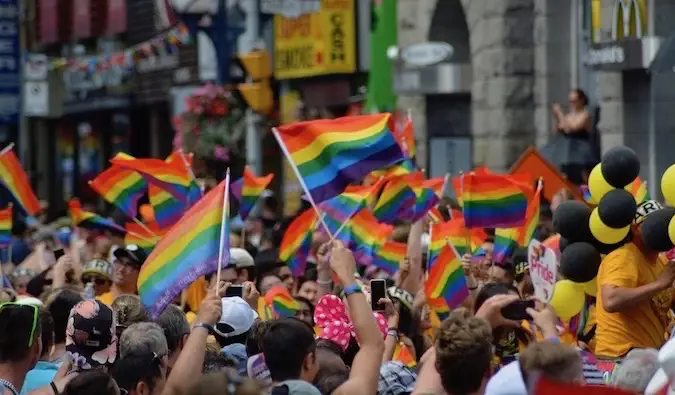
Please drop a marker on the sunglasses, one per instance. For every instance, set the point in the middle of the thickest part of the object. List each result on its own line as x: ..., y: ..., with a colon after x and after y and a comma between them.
x: 94, y: 279
x: 12, y: 305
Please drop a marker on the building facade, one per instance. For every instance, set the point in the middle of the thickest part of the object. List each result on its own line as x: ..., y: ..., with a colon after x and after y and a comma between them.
x: 525, y: 55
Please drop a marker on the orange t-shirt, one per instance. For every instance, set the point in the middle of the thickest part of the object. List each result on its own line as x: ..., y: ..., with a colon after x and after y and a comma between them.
x: 642, y: 326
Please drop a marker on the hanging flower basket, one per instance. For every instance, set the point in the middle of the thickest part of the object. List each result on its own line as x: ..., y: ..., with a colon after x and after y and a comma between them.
x: 213, y: 126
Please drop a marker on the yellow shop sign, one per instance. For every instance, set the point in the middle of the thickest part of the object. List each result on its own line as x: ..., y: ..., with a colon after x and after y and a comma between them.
x: 318, y: 43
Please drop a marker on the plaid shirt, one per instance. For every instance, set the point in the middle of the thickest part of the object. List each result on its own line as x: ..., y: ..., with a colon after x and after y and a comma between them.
x: 396, y: 379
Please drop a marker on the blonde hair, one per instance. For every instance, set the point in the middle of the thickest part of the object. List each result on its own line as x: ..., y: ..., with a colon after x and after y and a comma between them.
x: 554, y: 361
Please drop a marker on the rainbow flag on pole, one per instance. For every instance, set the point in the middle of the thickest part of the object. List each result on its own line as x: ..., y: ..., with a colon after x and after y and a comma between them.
x: 297, y: 241
x: 397, y: 197
x: 136, y: 234
x: 6, y: 226
x: 248, y: 189
x: 172, y: 177
x: 88, y: 220
x: 283, y: 304
x: 189, y: 250
x: 121, y: 187
x: 330, y: 154
x: 446, y: 278
x: 455, y: 233
x: 493, y: 201
x: 638, y: 189
x: 389, y: 256
x: 14, y: 178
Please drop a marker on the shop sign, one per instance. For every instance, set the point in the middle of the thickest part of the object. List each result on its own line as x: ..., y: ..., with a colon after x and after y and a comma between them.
x: 318, y: 43
x: 289, y: 8
x: 628, y: 20
x: 426, y: 54
x: 615, y: 55
x: 10, y: 62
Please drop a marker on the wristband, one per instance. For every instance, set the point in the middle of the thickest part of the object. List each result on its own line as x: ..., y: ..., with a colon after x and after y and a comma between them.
x: 352, y: 289
x: 554, y: 339
x: 393, y: 333
x: 209, y: 328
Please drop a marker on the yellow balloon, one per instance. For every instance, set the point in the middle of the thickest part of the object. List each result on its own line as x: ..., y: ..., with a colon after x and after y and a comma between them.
x: 604, y: 233
x: 591, y: 287
x: 668, y: 185
x: 671, y: 229
x: 568, y: 299
x: 597, y: 184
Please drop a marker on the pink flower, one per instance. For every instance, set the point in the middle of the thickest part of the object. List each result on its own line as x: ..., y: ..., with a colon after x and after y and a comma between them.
x: 221, y: 152
x: 177, y: 122
x: 178, y: 140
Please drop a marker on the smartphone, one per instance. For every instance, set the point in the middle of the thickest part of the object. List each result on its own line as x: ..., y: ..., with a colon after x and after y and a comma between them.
x: 59, y: 253
x: 378, y: 290
x: 517, y: 310
x: 234, y: 290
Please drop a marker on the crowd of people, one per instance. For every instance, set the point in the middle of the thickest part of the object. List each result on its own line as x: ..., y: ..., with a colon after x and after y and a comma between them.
x: 74, y: 325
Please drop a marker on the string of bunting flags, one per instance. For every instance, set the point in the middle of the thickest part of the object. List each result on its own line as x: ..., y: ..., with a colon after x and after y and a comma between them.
x: 170, y: 40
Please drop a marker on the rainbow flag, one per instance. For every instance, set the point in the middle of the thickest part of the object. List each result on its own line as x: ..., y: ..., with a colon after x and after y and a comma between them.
x: 397, y: 197
x: 402, y: 354
x: 446, y: 278
x: 140, y: 236
x: 436, y: 184
x: 425, y: 200
x: 389, y: 256
x: 16, y: 181
x: 330, y: 154
x: 248, y: 189
x: 362, y: 234
x: 404, y: 133
x: 282, y: 302
x: 6, y: 226
x: 121, y: 187
x: 189, y: 250
x: 172, y: 177
x: 297, y: 241
x: 399, y: 169
x: 439, y: 307
x: 638, y: 189
x: 370, y: 192
x: 167, y: 209
x: 88, y: 220
x: 507, y: 239
x: 493, y: 201
x: 343, y: 206
x: 455, y: 233
x: 194, y: 190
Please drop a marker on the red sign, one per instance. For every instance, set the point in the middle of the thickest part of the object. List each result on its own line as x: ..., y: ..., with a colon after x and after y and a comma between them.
x: 117, y: 17
x: 81, y: 18
x: 49, y: 21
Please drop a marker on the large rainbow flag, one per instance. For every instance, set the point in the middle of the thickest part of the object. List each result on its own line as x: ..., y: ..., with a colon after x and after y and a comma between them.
x: 92, y: 221
x: 446, y: 278
x: 121, y: 187
x: 330, y: 154
x: 493, y: 201
x: 14, y: 178
x: 508, y: 239
x: 248, y: 189
x: 189, y: 250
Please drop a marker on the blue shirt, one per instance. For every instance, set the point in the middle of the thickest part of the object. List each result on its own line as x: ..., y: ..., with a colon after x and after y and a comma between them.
x: 42, y: 374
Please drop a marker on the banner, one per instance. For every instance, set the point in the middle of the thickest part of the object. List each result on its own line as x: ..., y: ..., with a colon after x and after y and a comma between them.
x: 318, y: 43
x: 10, y: 62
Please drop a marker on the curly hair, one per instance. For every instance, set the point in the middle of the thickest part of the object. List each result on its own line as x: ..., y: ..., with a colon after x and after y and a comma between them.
x: 463, y: 352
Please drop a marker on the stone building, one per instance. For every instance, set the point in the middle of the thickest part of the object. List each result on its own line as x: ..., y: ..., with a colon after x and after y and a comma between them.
x: 524, y: 56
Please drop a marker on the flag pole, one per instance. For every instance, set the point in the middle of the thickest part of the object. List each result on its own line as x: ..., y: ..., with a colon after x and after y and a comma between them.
x: 365, y: 198
x: 142, y: 225
x: 283, y: 147
x: 223, y: 229
x: 7, y: 149
x: 467, y: 232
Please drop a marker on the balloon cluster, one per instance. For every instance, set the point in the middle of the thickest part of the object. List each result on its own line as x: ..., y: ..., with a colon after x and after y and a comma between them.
x: 586, y: 233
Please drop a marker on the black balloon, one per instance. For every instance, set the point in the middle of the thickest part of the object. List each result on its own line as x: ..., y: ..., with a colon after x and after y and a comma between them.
x: 563, y: 243
x: 617, y: 208
x: 620, y: 166
x: 654, y: 230
x: 580, y: 262
x: 570, y: 219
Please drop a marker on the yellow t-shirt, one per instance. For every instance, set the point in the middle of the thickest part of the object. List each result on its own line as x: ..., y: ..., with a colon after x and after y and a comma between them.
x: 642, y: 326
x: 106, y: 298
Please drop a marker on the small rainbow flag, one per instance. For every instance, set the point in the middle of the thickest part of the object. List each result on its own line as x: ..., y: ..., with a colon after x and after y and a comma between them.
x: 172, y: 177
x: 402, y: 354
x: 507, y: 239
x: 455, y: 233
x: 493, y: 201
x: 167, y: 209
x: 399, y: 169
x: 343, y: 206
x: 330, y: 154
x: 397, y: 197
x: 425, y: 200
x: 638, y: 189
x: 282, y: 302
x: 248, y: 189
x: 364, y: 234
x: 297, y: 241
x: 446, y: 278
x: 189, y: 250
x: 6, y: 226
x: 136, y: 234
x: 121, y: 187
x: 439, y: 307
x: 88, y: 220
x: 194, y: 190
x: 14, y: 178
x: 389, y: 256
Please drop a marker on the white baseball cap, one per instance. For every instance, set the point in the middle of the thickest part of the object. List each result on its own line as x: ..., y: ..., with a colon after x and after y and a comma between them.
x: 237, y: 317
x: 241, y: 258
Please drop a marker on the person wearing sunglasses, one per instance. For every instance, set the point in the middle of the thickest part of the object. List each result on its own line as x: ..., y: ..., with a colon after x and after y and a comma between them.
x: 98, y: 272
x: 129, y: 261
x: 20, y: 345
